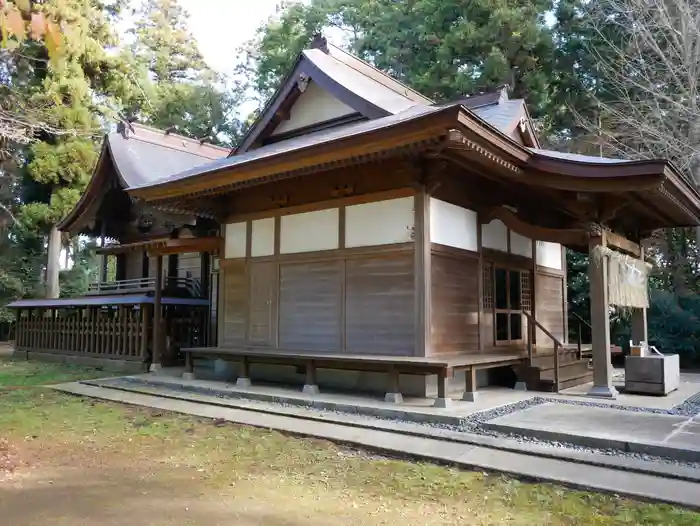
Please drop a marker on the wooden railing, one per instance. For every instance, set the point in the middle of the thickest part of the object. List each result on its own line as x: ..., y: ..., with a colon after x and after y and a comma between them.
x: 532, y: 323
x: 119, y: 332
x: 129, y: 286
x: 580, y: 323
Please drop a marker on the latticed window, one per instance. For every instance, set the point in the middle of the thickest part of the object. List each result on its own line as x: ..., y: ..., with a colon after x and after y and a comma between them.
x: 488, y: 286
x: 526, y: 291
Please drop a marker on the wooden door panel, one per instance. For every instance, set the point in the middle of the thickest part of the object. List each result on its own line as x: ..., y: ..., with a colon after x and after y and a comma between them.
x: 263, y: 284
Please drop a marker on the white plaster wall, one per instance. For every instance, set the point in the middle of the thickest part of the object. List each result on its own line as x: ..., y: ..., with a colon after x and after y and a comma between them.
x: 495, y: 235
x: 235, y: 240
x: 380, y: 223
x: 453, y: 225
x: 263, y: 237
x: 520, y: 245
x: 549, y: 254
x: 313, y: 106
x: 310, y: 231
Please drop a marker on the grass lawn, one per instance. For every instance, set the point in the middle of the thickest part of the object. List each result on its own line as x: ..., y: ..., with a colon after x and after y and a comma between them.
x: 67, y: 461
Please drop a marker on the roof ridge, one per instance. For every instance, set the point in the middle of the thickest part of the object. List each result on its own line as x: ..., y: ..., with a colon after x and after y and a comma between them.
x: 164, y: 140
x: 165, y: 133
x: 381, y: 73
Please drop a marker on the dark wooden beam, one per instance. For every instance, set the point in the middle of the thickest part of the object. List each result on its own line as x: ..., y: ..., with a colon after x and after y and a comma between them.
x: 564, y: 236
x: 623, y: 244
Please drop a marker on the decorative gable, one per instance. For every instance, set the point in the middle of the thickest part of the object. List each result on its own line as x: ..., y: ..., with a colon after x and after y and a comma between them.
x: 313, y: 106
x: 327, y: 87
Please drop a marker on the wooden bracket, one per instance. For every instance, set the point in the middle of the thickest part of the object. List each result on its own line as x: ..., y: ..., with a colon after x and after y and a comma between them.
x: 281, y: 201
x: 343, y: 190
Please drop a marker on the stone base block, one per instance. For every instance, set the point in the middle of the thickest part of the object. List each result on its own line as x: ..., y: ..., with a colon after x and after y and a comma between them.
x: 470, y: 396
x: 520, y: 386
x: 393, y: 398
x: 311, y: 389
x: 443, y: 403
x: 189, y: 376
x: 243, y: 383
x: 602, y: 391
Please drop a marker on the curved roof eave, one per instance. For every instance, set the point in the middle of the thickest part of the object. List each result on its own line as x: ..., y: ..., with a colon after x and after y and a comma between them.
x: 94, y: 187
x: 305, y: 152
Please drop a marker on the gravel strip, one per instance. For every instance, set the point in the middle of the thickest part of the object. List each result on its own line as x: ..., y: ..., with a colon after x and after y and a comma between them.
x: 469, y: 424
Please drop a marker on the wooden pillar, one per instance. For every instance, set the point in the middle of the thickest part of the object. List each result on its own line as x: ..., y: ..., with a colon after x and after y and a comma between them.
x: 53, y: 263
x: 533, y: 295
x: 442, y: 400
x: 144, y: 331
x: 205, y: 280
x: 103, y: 270
x: 18, y: 329
x: 243, y: 380
x: 422, y: 273
x: 470, y: 394
x: 310, y: 385
x: 157, y: 317
x: 393, y: 394
x: 600, y: 319
x: 639, y: 319
x: 565, y: 296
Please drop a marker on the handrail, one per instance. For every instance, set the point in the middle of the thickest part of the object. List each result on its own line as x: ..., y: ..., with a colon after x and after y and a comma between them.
x: 531, y: 323
x: 580, y: 319
x: 135, y: 284
x: 578, y: 333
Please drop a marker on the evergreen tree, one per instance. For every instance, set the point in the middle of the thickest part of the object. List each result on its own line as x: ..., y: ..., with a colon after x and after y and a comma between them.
x: 78, y: 92
x: 184, y: 94
x: 445, y: 49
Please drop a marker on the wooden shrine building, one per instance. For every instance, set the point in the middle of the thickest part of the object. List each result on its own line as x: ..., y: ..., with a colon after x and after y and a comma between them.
x: 150, y: 257
x: 371, y: 239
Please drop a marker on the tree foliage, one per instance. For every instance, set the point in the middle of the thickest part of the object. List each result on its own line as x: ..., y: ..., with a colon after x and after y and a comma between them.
x: 68, y: 97
x: 444, y: 49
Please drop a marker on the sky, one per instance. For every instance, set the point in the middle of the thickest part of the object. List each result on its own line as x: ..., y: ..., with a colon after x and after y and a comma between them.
x: 221, y: 26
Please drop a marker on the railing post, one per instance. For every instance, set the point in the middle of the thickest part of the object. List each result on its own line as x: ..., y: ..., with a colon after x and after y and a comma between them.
x: 580, y: 349
x: 529, y: 339
x: 556, y: 367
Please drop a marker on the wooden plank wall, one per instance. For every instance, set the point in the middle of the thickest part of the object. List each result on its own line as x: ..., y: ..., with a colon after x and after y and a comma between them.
x: 334, y: 303
x: 379, y: 305
x: 455, y: 303
x: 234, y: 317
x: 549, y: 301
x: 310, y: 305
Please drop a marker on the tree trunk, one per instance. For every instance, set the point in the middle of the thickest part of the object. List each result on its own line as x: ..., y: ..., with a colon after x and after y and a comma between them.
x: 53, y: 263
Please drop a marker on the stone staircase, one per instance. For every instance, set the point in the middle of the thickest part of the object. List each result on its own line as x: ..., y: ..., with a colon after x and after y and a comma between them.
x: 540, y: 375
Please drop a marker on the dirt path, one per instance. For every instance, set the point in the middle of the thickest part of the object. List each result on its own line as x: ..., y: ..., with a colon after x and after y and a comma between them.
x: 77, y: 484
x: 137, y: 496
